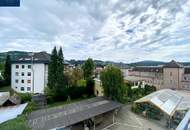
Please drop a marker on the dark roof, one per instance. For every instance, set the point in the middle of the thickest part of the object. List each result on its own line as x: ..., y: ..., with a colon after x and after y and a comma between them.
x: 37, y: 57
x: 173, y: 64
x: 149, y: 69
x: 70, y: 114
x: 159, y: 69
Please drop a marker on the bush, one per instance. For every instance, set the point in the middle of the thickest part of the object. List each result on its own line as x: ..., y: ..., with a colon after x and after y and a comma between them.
x: 136, y: 108
x: 81, y: 83
x: 69, y: 92
x: 30, y: 107
x: 25, y: 97
x: 76, y: 92
x: 149, y: 89
x: 90, y: 87
x: 3, y: 83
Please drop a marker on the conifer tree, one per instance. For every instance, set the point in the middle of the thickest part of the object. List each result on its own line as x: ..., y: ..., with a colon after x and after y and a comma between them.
x: 60, y: 74
x: 52, y: 66
x: 7, y: 71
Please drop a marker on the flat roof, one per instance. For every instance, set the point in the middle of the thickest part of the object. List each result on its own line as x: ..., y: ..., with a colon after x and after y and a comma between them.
x: 70, y: 114
x: 169, y: 101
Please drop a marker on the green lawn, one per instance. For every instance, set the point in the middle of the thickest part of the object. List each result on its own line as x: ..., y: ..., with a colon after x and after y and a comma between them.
x: 16, y: 124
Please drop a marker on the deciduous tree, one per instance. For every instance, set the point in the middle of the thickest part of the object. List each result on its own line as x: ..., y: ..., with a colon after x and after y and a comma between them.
x: 88, y: 68
x: 113, y: 83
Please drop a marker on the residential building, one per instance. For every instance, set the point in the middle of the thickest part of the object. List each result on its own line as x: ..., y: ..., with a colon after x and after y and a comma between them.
x: 29, y: 73
x: 172, y: 75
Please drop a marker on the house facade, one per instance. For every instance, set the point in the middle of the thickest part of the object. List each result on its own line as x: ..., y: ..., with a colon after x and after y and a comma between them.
x: 30, y: 73
x: 171, y: 75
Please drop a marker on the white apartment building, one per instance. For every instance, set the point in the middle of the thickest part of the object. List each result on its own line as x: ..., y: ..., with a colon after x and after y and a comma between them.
x: 29, y: 73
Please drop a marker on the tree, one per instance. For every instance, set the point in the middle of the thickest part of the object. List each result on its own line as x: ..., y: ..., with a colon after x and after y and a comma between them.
x: 113, y: 83
x: 88, y: 68
x: 56, y: 77
x: 7, y: 71
x: 61, y: 82
x: 74, y: 76
x: 52, y: 66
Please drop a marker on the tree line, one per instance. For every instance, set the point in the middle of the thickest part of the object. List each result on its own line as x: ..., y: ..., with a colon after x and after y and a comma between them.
x: 63, y: 84
x: 5, y: 77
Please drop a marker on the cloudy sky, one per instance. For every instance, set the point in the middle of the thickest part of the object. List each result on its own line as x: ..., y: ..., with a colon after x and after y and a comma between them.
x: 115, y: 30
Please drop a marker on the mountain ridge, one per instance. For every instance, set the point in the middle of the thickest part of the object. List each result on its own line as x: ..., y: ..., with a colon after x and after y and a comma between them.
x: 15, y: 54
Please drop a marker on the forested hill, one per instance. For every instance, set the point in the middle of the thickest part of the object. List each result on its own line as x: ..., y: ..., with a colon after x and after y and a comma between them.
x: 154, y: 63
x: 13, y: 54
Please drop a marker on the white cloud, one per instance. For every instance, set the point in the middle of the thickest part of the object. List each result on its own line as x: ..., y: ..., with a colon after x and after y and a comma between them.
x: 120, y: 30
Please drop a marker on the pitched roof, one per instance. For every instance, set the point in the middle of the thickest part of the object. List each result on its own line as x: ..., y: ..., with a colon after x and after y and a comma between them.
x: 173, y: 64
x: 37, y: 57
x: 4, y: 96
x: 70, y: 114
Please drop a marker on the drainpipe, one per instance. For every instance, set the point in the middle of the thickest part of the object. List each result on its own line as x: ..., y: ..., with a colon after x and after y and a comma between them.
x: 32, y: 72
x: 178, y: 78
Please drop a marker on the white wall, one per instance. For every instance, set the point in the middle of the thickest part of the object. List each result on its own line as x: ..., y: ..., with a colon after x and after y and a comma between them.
x: 38, y: 78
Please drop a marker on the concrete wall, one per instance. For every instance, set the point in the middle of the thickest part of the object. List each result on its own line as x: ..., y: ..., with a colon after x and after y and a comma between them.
x: 98, y: 88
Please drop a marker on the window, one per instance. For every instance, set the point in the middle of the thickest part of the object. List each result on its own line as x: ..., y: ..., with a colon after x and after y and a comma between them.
x: 170, y: 81
x: 29, y: 74
x: 185, y: 78
x: 29, y: 66
x: 16, y: 81
x: 29, y: 81
x: 28, y: 89
x: 22, y: 66
x: 17, y: 66
x: 22, y: 73
x: 22, y: 81
x: 170, y: 73
x: 22, y: 88
x: 16, y: 73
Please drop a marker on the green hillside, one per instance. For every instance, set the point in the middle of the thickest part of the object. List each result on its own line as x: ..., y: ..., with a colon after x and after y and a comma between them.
x: 13, y: 54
